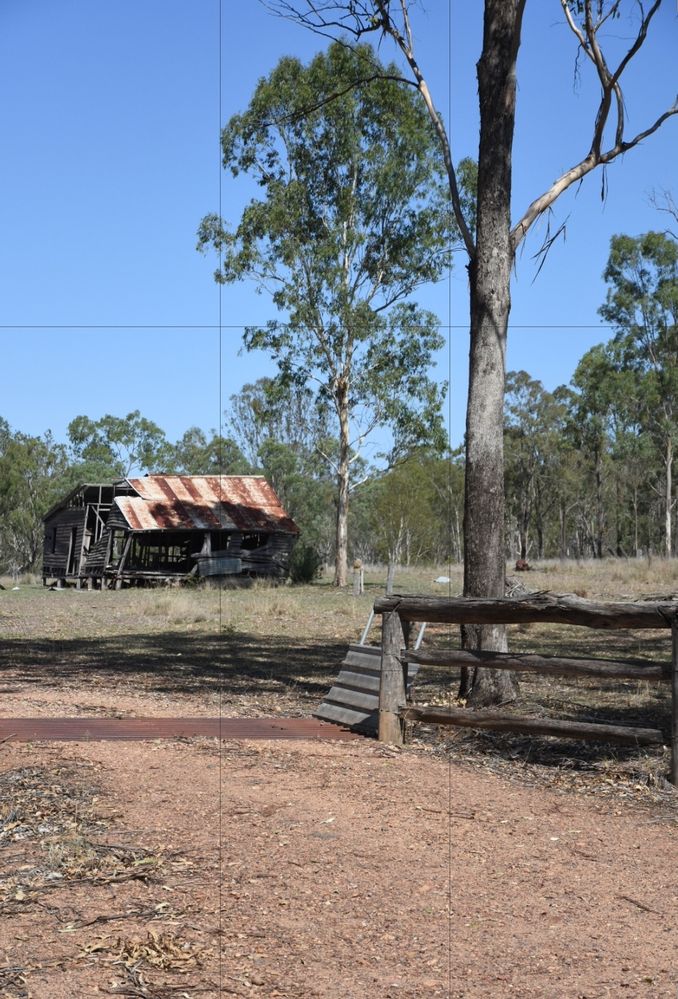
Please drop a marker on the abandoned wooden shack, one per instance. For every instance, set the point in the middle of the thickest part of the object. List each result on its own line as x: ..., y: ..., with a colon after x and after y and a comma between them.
x: 162, y: 528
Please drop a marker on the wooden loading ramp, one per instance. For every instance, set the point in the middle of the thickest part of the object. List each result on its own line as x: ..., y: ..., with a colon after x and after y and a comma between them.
x: 96, y: 729
x: 353, y: 699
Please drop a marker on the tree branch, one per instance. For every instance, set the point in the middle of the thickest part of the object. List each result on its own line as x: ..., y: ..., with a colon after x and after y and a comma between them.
x: 588, y: 40
x: 406, y: 47
x: 318, y: 105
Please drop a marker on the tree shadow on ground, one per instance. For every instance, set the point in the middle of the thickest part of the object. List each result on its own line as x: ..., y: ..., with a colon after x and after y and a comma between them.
x: 177, y: 663
x: 560, y: 754
x: 298, y: 673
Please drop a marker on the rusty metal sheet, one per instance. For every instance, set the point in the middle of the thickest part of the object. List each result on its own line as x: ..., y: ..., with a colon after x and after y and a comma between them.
x: 204, y: 502
x: 98, y: 729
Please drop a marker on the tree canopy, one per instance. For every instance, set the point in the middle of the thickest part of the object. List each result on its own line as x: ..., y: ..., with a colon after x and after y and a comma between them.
x: 353, y: 217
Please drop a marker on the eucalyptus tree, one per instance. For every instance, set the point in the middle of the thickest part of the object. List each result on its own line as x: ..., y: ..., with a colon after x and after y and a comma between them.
x: 351, y: 219
x: 642, y: 306
x: 197, y: 454
x: 492, y: 246
x: 534, y: 420
x: 33, y: 474
x: 269, y: 410
x: 118, y: 444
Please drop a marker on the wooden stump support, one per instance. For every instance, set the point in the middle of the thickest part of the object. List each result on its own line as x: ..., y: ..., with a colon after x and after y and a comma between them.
x: 393, y: 680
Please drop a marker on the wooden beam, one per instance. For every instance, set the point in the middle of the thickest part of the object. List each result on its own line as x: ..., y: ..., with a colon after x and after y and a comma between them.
x: 630, y: 669
x: 392, y: 693
x: 535, y: 726
x: 123, y: 558
x: 558, y: 608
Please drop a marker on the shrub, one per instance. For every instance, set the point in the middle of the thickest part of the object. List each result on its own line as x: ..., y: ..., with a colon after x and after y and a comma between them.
x: 305, y: 564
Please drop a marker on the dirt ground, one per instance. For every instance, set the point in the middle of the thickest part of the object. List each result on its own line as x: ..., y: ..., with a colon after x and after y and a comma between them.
x: 323, y: 870
x: 470, y: 867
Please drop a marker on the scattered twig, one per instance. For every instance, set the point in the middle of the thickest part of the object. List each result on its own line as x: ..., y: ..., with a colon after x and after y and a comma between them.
x: 641, y: 905
x: 446, y: 811
x: 154, y: 913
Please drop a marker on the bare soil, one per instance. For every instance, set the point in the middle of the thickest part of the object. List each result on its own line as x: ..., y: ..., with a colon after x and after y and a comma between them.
x: 462, y: 866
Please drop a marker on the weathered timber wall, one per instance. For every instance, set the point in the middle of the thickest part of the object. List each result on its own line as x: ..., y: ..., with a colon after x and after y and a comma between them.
x: 55, y: 563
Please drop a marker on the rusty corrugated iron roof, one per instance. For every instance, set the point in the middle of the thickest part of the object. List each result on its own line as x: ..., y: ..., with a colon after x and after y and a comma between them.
x: 204, y: 502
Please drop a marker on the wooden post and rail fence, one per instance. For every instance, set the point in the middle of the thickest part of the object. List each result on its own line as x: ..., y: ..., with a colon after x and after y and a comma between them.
x: 398, y: 612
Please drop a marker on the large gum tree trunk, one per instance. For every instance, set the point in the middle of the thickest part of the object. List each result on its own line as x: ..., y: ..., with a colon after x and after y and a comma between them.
x: 343, y: 473
x: 490, y: 275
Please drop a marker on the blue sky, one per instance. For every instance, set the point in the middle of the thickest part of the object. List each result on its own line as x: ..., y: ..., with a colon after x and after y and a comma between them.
x: 110, y: 122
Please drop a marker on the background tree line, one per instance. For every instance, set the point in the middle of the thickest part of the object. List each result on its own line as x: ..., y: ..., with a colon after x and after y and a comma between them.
x: 589, y: 466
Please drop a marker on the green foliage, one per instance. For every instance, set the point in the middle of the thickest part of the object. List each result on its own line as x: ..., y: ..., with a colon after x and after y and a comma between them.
x: 350, y: 175
x: 610, y: 440
x: 281, y: 429
x: 467, y: 178
x: 270, y: 410
x: 32, y: 477
x: 534, y: 457
x: 196, y: 454
x: 413, y: 511
x: 306, y: 563
x: 306, y: 495
x: 118, y: 444
x: 642, y: 306
x: 354, y: 218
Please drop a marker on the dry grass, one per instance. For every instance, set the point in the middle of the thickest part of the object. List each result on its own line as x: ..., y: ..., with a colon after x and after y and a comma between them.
x: 609, y: 579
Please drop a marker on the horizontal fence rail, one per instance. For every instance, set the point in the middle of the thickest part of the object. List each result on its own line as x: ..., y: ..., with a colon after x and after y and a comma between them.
x: 631, y: 736
x: 610, y: 669
x: 551, y: 608
x: 398, y: 611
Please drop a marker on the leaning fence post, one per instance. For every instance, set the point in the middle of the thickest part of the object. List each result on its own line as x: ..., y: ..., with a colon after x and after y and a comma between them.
x: 392, y: 695
x: 674, y: 702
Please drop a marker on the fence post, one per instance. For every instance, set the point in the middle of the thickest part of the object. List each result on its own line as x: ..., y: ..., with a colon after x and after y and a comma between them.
x: 392, y: 695
x: 674, y: 702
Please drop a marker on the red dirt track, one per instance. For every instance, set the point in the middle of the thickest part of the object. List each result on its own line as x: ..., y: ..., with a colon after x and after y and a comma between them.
x: 98, y: 729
